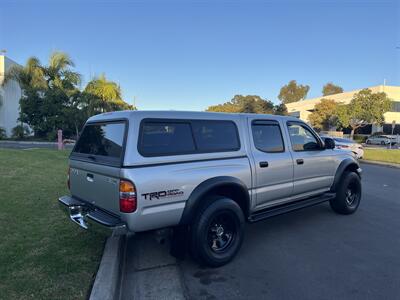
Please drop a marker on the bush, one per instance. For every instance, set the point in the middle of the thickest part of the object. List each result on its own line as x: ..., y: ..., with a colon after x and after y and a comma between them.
x: 360, y: 138
x: 3, y: 134
x: 20, y: 131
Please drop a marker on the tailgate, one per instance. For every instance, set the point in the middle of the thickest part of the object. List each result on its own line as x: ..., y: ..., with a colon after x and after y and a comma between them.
x: 95, y: 163
x: 96, y: 184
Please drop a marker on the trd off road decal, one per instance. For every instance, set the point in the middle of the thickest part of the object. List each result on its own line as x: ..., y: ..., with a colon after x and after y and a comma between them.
x: 162, y: 194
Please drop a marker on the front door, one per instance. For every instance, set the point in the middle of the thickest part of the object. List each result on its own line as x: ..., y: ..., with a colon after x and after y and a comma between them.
x: 273, y: 162
x: 313, y: 164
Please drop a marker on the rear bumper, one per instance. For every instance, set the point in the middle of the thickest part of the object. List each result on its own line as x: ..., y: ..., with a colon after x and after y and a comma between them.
x: 90, y: 217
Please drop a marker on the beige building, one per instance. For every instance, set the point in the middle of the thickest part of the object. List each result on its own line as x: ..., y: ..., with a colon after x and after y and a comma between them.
x: 302, y: 109
x: 10, y: 93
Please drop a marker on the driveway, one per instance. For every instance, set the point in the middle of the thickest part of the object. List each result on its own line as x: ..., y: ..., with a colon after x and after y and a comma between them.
x: 309, y: 254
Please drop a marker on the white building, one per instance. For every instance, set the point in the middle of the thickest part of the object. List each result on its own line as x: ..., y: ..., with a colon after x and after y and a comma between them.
x: 10, y: 93
x: 302, y: 109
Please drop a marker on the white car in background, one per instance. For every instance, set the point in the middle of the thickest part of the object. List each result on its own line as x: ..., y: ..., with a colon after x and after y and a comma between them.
x: 380, y: 140
x: 347, y: 144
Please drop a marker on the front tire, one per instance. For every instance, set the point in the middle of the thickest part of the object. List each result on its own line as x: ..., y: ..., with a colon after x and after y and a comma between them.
x: 348, y: 194
x: 217, y: 232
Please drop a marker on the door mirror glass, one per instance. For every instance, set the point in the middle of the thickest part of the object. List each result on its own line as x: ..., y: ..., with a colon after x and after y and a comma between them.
x: 329, y: 143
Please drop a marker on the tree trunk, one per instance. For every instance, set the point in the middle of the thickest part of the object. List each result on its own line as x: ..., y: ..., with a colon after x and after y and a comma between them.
x: 352, y: 133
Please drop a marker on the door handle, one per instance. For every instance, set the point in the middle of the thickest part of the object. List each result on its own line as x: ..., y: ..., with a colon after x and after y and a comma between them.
x: 89, y: 177
x: 300, y: 161
x: 263, y: 164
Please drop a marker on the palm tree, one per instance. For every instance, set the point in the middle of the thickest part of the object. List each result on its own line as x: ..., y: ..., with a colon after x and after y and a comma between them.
x: 103, y: 95
x: 58, y: 73
x: 29, y: 76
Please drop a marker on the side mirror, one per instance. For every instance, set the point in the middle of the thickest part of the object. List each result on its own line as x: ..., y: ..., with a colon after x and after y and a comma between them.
x: 329, y: 143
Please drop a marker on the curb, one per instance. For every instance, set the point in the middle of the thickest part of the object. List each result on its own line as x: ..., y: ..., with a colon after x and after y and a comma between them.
x: 106, y: 284
x: 380, y: 163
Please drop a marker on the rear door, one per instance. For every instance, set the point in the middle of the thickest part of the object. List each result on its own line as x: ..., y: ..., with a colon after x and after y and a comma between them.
x: 272, y: 160
x: 95, y: 164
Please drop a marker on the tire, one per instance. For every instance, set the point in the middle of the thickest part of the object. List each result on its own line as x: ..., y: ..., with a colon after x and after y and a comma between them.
x: 217, y: 232
x: 383, y: 143
x: 368, y: 142
x: 348, y: 194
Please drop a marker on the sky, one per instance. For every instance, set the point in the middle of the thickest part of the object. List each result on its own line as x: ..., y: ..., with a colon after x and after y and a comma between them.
x: 187, y: 55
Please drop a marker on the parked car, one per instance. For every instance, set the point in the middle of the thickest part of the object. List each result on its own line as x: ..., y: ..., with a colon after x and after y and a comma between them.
x: 347, y: 144
x: 204, y: 175
x: 380, y: 140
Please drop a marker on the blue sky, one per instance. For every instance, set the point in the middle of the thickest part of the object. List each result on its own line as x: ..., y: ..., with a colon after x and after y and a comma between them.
x: 187, y: 55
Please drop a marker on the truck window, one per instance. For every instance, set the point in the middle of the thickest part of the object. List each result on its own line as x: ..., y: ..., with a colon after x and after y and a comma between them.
x: 166, y: 138
x: 102, y: 140
x: 163, y: 137
x: 302, y: 138
x: 267, y: 136
x: 215, y: 136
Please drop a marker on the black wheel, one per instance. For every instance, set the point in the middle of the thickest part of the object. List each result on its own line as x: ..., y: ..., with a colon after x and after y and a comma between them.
x: 368, y: 142
x: 217, y: 232
x: 348, y: 194
x: 383, y: 143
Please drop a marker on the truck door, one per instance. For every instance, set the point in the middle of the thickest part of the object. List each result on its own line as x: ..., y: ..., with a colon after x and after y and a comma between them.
x: 313, y: 164
x: 273, y: 162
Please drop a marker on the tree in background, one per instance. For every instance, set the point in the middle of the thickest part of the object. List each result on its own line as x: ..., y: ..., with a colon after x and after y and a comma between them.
x: 365, y: 108
x: 324, y: 116
x: 52, y: 99
x: 293, y: 92
x: 245, y: 104
x: 331, y: 89
x: 101, y: 95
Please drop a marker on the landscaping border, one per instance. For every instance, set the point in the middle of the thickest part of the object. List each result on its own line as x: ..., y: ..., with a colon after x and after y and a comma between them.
x: 106, y: 284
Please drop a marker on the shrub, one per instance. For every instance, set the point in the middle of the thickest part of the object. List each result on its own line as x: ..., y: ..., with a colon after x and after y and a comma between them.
x: 20, y: 131
x: 3, y: 134
x: 360, y: 138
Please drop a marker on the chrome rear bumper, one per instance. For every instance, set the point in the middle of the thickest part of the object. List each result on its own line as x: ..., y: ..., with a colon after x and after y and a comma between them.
x: 91, y: 217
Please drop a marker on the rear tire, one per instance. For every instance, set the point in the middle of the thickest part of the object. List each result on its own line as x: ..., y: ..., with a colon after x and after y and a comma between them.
x: 348, y: 194
x: 217, y: 232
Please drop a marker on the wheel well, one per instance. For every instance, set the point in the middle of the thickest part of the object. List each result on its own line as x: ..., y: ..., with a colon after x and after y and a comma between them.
x: 351, y: 168
x: 231, y: 191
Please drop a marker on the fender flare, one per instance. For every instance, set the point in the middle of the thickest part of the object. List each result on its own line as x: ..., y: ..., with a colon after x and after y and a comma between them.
x: 206, y: 186
x: 345, y: 164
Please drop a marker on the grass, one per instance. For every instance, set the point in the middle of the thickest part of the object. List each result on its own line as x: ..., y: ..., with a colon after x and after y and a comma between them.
x: 385, y: 155
x: 42, y: 254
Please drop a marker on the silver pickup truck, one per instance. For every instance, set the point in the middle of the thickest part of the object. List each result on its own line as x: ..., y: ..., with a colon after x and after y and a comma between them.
x: 203, y: 174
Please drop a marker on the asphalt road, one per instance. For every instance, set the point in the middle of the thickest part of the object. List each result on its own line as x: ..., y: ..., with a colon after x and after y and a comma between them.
x: 314, y: 253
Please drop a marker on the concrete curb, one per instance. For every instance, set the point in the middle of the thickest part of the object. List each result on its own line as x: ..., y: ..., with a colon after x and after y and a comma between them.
x: 380, y: 163
x: 106, y: 284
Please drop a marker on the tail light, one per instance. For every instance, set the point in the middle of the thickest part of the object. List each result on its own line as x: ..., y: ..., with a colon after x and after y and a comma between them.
x: 68, y: 181
x: 342, y: 146
x: 127, y: 196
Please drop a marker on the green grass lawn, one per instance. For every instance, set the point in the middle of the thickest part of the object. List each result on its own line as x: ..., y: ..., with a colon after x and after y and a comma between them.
x: 385, y: 155
x: 42, y: 254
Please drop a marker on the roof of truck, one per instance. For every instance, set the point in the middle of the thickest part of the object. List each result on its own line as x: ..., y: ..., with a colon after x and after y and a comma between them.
x: 127, y: 114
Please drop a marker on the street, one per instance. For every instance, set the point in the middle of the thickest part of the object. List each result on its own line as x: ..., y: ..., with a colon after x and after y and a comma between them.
x: 31, y: 145
x: 314, y: 253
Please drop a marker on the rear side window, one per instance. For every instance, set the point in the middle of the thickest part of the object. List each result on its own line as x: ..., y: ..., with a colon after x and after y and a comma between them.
x: 162, y: 138
x: 213, y: 136
x: 102, y: 140
x: 169, y: 137
x: 267, y: 136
